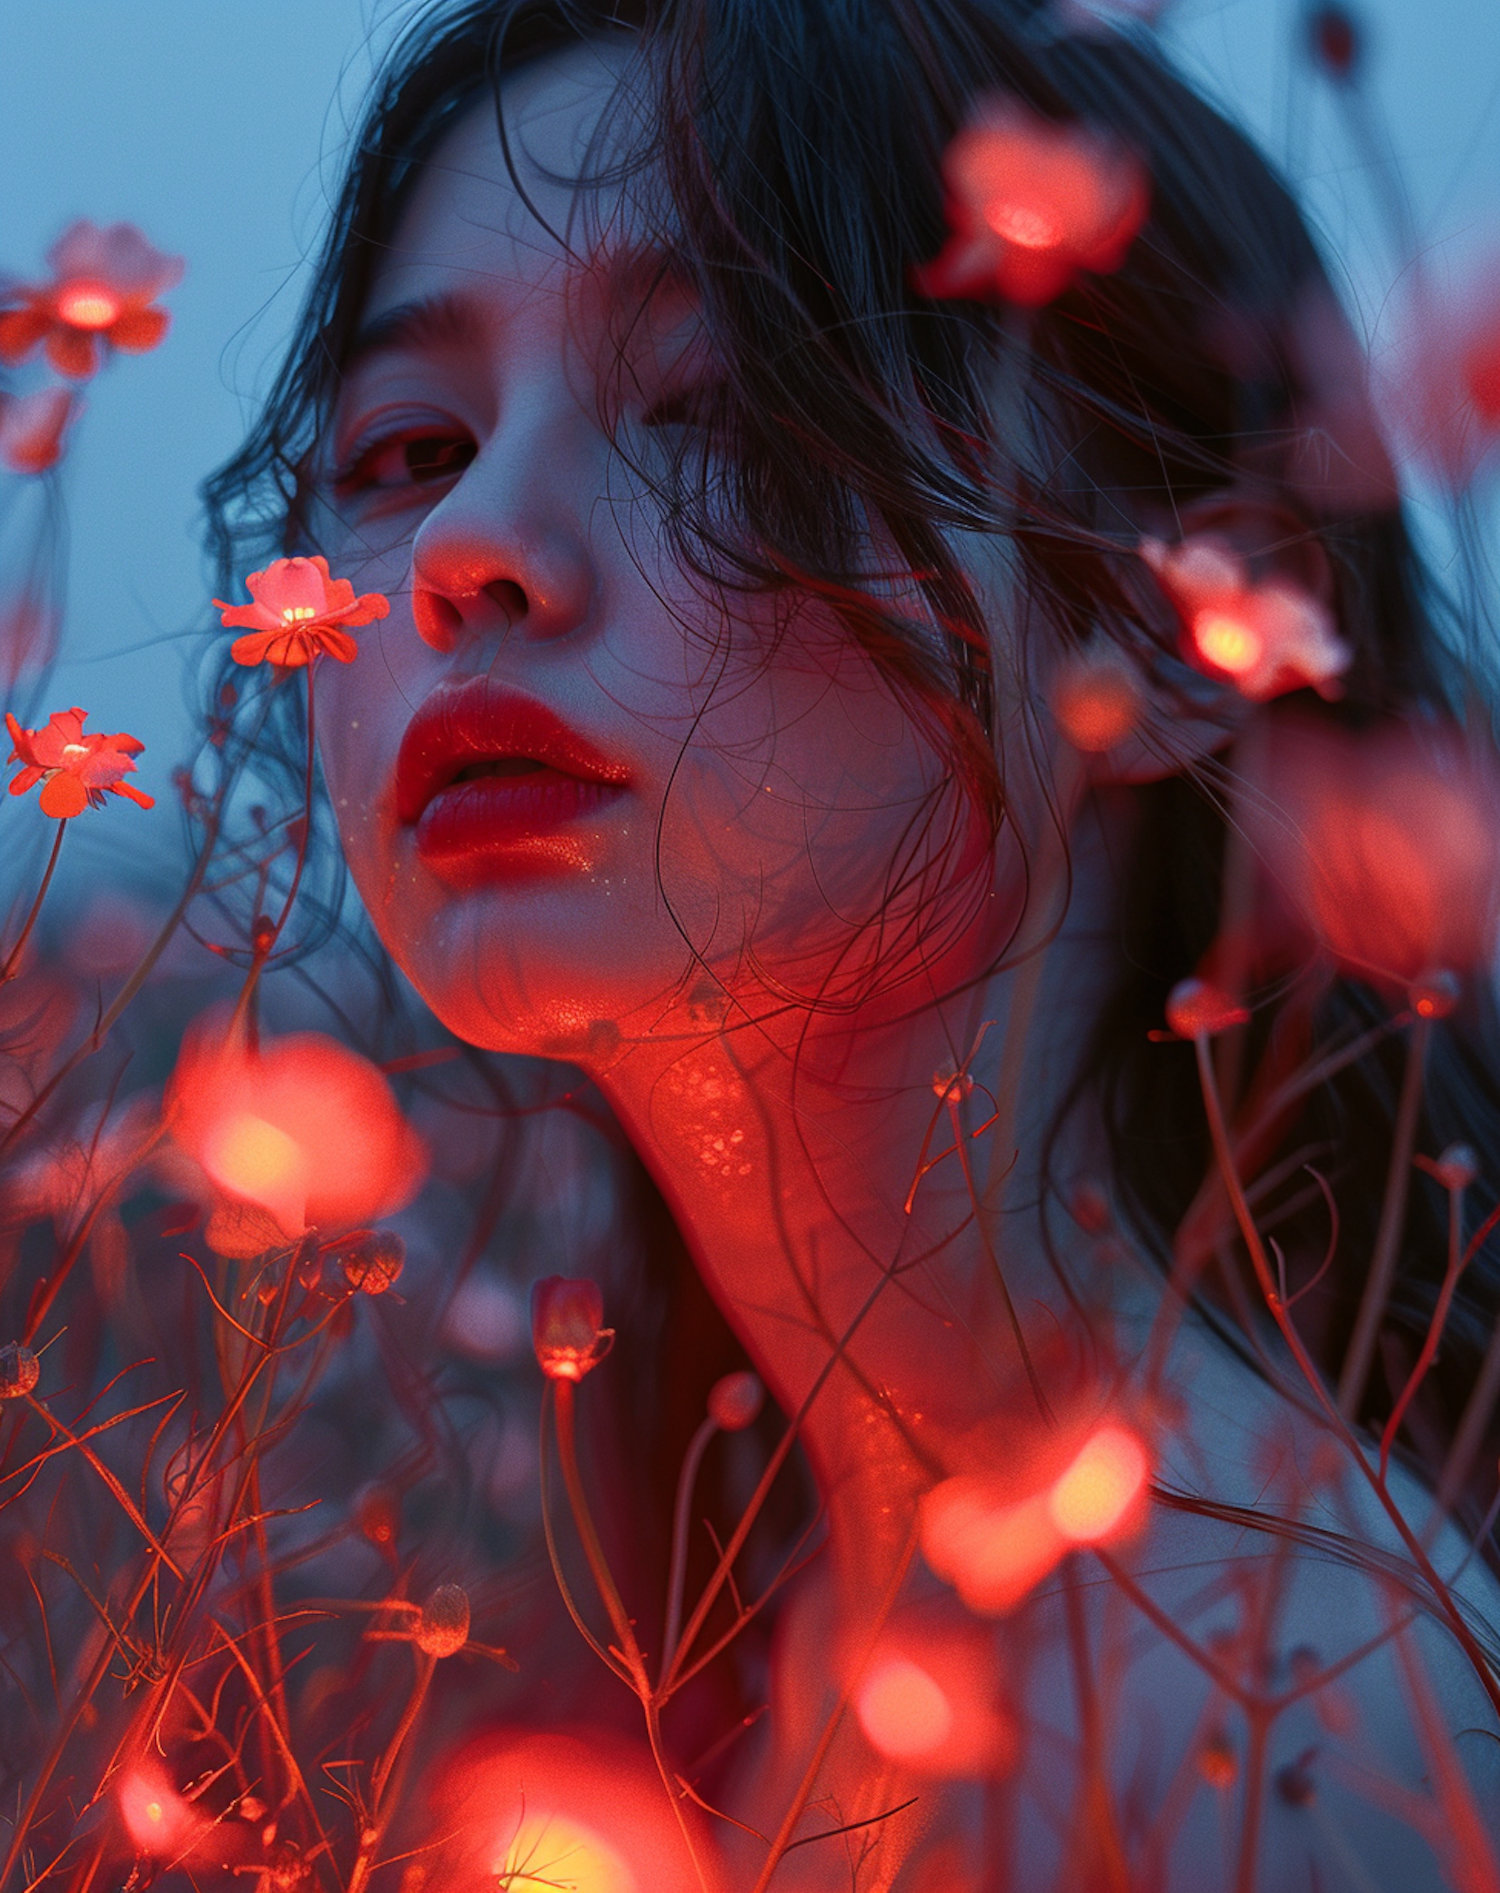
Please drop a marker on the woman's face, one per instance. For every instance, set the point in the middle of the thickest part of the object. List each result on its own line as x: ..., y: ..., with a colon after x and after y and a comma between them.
x: 582, y: 794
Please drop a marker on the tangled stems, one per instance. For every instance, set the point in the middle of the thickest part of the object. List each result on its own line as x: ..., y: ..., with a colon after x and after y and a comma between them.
x: 1260, y: 1262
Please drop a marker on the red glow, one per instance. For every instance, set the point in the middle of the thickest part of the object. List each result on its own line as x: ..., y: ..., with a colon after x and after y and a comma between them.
x: 929, y: 1697
x: 1031, y: 204
x: 302, y: 1128
x: 555, y: 1811
x: 88, y: 305
x: 297, y: 612
x: 1195, y: 1006
x: 1098, y: 1492
x: 1097, y: 701
x: 991, y: 1552
x: 159, y: 1821
x: 902, y: 1710
x: 74, y: 770
x: 1264, y: 638
x: 993, y: 1545
x: 104, y: 283
x: 1385, y: 844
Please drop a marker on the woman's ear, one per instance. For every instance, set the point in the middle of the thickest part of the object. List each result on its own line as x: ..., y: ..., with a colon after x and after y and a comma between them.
x: 1235, y: 606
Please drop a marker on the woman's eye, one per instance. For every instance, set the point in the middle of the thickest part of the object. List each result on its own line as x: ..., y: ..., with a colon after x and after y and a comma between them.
x: 405, y: 461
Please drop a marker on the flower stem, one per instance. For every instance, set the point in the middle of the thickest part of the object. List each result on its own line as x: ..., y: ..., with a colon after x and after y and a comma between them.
x: 1377, y: 1289
x: 12, y: 959
x: 686, y: 1481
x: 567, y: 1452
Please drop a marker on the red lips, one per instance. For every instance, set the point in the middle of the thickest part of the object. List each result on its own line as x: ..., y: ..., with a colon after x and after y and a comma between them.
x: 490, y: 779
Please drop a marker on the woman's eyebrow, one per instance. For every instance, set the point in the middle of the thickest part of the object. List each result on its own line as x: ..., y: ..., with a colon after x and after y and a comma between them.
x: 426, y: 322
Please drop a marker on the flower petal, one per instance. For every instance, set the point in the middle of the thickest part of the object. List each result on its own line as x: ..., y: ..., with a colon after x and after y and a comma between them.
x: 72, y: 352
x: 138, y: 796
x: 21, y: 330
x: 63, y: 796
x: 253, y: 617
x: 138, y: 329
x: 336, y: 644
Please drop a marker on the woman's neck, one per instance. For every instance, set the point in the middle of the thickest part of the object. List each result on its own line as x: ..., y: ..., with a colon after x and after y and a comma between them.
x: 854, y: 1240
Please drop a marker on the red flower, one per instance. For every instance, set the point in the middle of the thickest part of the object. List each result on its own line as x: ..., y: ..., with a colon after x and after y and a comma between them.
x: 1031, y: 203
x: 1385, y: 843
x: 1265, y: 638
x: 104, y: 282
x: 32, y: 428
x: 1195, y: 1007
x: 299, y: 1127
x: 993, y: 1543
x: 567, y: 1327
x: 74, y: 769
x: 297, y: 613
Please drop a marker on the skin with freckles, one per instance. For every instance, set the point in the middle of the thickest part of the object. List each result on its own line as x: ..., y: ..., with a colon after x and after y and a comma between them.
x: 695, y: 844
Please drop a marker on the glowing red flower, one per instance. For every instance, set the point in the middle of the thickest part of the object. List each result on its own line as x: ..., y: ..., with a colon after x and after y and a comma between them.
x: 994, y: 1545
x: 1195, y: 1006
x: 160, y: 1822
x: 927, y: 1697
x: 299, y: 1127
x: 1031, y: 203
x: 103, y: 285
x: 297, y: 614
x: 567, y: 1327
x: 585, y: 1812
x: 1264, y: 638
x: 1097, y: 700
x: 32, y: 428
x: 74, y: 769
x: 1386, y: 844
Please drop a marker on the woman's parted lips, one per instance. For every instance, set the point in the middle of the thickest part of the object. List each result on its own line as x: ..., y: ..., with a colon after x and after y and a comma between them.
x: 479, y: 721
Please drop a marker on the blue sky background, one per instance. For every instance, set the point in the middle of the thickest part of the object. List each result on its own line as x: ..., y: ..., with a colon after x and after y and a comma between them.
x: 217, y: 125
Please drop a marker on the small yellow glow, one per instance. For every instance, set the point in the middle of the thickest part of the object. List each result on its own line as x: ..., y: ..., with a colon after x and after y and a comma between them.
x: 1100, y: 1486
x: 297, y: 614
x: 556, y: 1852
x: 1227, y: 643
x: 88, y: 306
x: 153, y: 1811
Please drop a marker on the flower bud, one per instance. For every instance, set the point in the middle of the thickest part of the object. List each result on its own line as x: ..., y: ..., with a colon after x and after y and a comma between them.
x: 20, y: 1370
x: 1196, y: 1009
x: 1455, y: 1169
x: 444, y: 1625
x: 372, y: 1260
x: 951, y: 1085
x: 567, y: 1327
x: 735, y: 1401
x: 377, y: 1513
x: 1334, y: 35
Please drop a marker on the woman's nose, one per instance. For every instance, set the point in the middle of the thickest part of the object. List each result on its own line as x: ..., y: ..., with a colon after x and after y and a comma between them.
x: 504, y: 550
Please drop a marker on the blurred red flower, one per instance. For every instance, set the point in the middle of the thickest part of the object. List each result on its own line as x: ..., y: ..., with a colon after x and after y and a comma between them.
x: 103, y: 285
x: 1441, y: 385
x: 74, y: 769
x: 1031, y: 203
x: 993, y: 1543
x: 1386, y: 843
x: 297, y: 612
x: 32, y: 428
x: 567, y: 1327
x: 1264, y: 638
x: 301, y: 1127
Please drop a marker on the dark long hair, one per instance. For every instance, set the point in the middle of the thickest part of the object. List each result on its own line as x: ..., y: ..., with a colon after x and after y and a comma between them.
x: 801, y: 143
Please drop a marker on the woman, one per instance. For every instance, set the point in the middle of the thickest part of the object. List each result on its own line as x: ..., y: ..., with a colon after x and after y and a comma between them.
x: 759, y: 578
